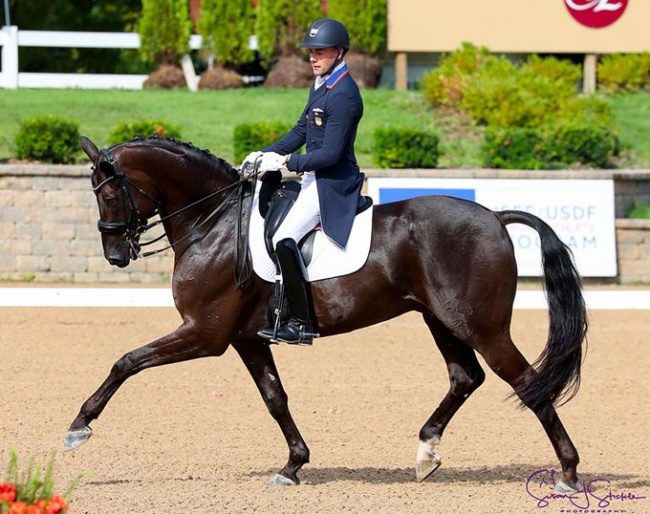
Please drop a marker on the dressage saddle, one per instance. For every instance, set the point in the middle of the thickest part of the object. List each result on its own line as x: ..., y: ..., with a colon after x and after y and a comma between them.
x: 276, y: 198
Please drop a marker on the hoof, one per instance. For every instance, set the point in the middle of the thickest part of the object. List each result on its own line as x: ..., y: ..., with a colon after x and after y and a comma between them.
x: 279, y: 479
x: 563, y: 486
x: 75, y: 438
x: 425, y: 467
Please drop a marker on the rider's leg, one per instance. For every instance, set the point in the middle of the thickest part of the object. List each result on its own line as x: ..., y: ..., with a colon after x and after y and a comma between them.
x: 303, y: 217
x: 299, y: 328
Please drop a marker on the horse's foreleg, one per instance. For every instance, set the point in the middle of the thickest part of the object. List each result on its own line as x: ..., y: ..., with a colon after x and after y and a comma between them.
x: 174, y: 347
x: 260, y: 364
x: 465, y: 376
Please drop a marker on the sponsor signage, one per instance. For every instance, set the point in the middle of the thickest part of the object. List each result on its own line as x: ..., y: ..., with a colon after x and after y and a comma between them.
x: 596, y: 14
x: 580, y: 211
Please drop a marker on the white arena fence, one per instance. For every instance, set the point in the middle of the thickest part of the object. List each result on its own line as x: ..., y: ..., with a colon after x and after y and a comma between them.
x: 11, y: 39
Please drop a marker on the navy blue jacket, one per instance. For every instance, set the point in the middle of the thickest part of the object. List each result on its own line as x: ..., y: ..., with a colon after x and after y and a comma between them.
x: 328, y: 126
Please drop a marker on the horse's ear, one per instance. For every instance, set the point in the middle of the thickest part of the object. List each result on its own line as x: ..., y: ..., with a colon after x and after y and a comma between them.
x: 89, y: 148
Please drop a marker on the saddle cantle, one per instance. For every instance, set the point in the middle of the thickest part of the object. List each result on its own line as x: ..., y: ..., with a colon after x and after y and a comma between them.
x: 322, y: 258
x: 276, y: 197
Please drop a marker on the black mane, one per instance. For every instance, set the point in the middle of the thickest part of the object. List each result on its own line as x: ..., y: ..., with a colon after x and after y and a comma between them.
x: 205, y: 157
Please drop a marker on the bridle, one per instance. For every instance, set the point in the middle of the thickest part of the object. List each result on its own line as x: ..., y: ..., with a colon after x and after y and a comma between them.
x: 137, y: 223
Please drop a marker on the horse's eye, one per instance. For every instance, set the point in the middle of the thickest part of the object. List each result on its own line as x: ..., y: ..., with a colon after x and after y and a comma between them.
x: 110, y: 200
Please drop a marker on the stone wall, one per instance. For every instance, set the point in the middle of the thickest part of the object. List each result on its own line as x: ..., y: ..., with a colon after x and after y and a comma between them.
x: 633, y: 251
x: 48, y: 230
x: 48, y: 224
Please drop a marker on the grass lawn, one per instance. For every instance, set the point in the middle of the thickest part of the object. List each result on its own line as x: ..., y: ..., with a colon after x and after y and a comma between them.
x: 207, y: 118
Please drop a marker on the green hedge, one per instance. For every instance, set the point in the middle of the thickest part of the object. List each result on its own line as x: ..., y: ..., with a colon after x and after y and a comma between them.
x: 249, y: 137
x: 552, y: 148
x: 516, y: 148
x: 52, y: 139
x: 127, y: 130
x: 405, y: 148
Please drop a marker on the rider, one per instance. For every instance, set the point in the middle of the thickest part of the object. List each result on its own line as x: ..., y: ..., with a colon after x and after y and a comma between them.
x: 331, y: 179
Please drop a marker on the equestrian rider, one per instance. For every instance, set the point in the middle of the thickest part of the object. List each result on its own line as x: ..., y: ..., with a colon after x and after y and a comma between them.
x: 331, y: 179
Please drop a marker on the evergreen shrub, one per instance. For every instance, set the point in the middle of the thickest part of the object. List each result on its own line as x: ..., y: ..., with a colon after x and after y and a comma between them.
x: 52, y: 139
x: 405, y: 148
x: 249, y: 137
x: 127, y: 130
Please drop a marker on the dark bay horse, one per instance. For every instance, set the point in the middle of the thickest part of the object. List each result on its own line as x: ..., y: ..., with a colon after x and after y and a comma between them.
x: 449, y: 259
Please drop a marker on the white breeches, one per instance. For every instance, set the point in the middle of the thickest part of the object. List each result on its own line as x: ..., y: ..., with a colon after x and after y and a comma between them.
x: 305, y: 213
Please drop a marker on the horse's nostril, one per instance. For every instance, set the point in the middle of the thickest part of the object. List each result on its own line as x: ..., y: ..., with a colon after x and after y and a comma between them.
x: 117, y: 261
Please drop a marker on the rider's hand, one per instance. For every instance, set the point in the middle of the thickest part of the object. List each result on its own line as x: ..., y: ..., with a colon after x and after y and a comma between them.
x: 249, y: 161
x: 273, y: 161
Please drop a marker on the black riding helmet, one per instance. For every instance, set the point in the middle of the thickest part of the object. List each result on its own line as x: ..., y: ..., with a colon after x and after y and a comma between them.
x: 325, y: 33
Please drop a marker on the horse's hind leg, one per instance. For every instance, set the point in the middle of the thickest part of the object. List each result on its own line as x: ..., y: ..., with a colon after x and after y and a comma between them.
x: 260, y: 364
x: 508, y: 363
x: 175, y: 347
x: 465, y: 376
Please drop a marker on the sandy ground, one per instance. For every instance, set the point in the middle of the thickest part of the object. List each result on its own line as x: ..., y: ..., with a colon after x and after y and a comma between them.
x: 196, y: 437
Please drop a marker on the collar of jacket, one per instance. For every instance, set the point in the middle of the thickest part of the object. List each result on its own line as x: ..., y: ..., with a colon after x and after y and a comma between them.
x: 337, y: 75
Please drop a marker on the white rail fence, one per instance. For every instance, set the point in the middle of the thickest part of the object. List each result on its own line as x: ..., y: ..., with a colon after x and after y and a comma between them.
x: 11, y: 39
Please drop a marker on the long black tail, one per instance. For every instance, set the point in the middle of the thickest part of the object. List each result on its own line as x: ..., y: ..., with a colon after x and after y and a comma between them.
x: 557, y: 370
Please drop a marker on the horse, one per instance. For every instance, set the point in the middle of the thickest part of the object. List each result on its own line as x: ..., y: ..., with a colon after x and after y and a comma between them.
x: 449, y: 259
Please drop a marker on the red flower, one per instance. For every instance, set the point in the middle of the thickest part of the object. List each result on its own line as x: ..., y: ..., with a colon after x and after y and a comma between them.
x: 56, y: 505
x: 7, y: 492
x: 18, y: 508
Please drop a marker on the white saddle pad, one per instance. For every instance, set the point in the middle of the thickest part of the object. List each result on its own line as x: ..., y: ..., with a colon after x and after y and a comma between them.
x: 328, y: 259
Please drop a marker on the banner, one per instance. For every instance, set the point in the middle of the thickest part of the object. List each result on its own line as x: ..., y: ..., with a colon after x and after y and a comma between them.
x: 580, y: 211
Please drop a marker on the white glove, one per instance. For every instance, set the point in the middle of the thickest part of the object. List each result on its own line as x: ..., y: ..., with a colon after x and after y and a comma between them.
x: 273, y: 161
x: 250, y: 159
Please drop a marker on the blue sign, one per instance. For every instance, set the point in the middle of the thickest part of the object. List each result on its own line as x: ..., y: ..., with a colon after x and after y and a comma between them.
x: 396, y: 194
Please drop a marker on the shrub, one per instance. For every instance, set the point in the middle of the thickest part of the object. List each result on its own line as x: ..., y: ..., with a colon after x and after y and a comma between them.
x: 624, y: 72
x: 48, y: 138
x: 249, y: 137
x: 444, y: 85
x: 585, y: 144
x: 587, y: 110
x: 551, y: 148
x: 405, y: 148
x: 556, y: 70
x: 514, y: 148
x: 144, y: 128
x: 506, y: 95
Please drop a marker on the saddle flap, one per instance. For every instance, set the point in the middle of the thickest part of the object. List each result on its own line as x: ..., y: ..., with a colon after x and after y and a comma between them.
x: 280, y: 200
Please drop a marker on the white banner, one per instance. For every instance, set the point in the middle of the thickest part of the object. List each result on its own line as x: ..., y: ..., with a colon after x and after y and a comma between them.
x: 580, y: 211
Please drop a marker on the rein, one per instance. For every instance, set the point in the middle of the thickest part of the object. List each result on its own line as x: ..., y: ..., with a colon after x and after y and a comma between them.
x: 137, y: 224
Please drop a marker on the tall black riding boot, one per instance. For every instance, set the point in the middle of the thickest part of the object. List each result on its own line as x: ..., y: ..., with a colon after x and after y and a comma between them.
x: 299, y: 328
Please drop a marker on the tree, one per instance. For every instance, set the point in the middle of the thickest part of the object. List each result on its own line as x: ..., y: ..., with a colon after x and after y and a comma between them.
x: 366, y: 23
x: 281, y: 25
x: 165, y: 28
x: 226, y: 26
x: 366, y: 20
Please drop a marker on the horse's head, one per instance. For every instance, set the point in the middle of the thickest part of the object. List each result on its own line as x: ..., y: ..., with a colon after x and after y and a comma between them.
x: 124, y: 205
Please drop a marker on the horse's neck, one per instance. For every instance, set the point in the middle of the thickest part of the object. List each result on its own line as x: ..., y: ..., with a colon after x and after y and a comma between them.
x: 200, y: 206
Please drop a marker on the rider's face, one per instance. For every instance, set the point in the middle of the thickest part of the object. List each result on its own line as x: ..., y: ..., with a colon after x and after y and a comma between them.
x: 321, y: 59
